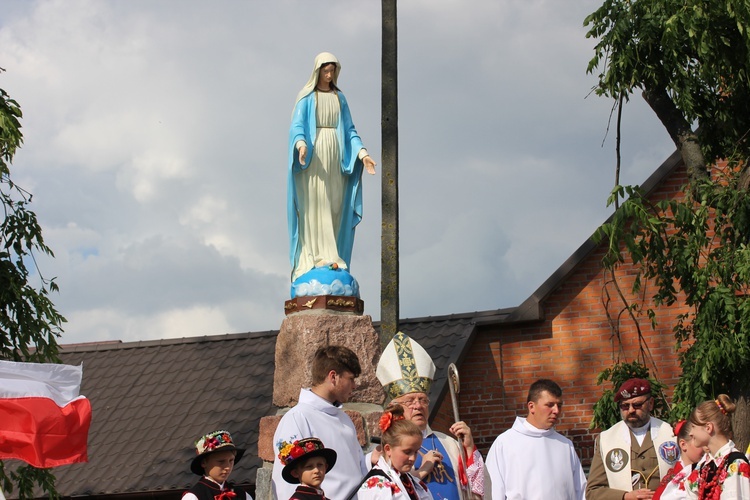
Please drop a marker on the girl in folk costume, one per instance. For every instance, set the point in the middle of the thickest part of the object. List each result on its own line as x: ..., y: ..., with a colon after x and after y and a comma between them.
x: 723, y: 473
x: 306, y: 462
x: 672, y: 485
x: 390, y: 478
x: 216, y: 457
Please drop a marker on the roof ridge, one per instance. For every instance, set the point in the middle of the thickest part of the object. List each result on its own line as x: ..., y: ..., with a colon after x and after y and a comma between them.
x: 112, y: 345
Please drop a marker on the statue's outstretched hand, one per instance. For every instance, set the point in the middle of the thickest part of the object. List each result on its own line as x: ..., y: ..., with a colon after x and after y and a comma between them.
x: 369, y: 164
x: 302, y: 154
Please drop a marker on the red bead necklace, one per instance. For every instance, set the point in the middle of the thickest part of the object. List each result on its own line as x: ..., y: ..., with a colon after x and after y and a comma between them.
x: 711, y: 481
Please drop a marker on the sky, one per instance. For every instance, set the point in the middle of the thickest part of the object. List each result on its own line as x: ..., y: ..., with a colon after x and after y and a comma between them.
x: 155, y: 145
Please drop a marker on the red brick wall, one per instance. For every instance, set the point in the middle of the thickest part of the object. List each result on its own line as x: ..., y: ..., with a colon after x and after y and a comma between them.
x: 571, y: 346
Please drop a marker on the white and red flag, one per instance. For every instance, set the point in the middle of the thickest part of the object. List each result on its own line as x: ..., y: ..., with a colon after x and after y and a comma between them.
x: 43, y: 419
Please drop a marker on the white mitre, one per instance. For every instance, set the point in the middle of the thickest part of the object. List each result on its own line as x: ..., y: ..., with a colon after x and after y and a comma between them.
x: 405, y: 367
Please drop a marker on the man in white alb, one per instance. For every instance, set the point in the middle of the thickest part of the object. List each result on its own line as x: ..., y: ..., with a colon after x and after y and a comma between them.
x: 531, y: 460
x: 319, y: 414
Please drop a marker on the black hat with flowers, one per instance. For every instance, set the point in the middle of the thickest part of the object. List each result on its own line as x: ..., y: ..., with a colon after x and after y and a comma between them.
x: 211, y: 443
x: 296, y: 452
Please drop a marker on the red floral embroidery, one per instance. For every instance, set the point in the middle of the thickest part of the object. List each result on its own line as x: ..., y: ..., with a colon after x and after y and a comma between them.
x: 381, y: 482
x: 693, y: 477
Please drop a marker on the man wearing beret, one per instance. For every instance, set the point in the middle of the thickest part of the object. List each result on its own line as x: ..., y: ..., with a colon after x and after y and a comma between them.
x: 632, y: 456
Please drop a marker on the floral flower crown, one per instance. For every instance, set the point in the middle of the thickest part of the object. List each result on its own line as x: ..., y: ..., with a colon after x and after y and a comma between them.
x: 387, y: 419
x: 291, y: 451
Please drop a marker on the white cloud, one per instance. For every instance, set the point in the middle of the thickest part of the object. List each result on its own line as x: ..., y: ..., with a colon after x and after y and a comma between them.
x: 113, y: 324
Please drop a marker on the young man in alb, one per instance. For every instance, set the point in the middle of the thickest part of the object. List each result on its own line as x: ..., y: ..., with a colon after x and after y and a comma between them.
x: 531, y: 460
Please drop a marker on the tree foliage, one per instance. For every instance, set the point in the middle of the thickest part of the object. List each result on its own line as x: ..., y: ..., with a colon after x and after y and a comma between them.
x: 29, y: 322
x: 690, y: 59
x: 697, y: 255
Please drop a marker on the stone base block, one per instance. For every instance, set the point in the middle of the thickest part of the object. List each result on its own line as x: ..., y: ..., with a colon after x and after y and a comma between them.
x: 263, y: 483
x: 301, y: 335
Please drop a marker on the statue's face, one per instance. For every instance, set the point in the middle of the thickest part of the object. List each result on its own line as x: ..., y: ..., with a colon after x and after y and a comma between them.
x: 325, y: 74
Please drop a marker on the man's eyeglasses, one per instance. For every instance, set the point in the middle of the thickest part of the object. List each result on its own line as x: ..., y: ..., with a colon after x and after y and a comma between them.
x: 411, y: 401
x: 636, y: 406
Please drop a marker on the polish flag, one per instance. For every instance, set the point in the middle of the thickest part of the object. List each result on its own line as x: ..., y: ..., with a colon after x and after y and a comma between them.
x: 43, y: 419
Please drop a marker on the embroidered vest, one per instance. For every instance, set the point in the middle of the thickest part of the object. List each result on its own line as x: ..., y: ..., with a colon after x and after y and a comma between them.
x: 208, y: 490
x: 304, y: 492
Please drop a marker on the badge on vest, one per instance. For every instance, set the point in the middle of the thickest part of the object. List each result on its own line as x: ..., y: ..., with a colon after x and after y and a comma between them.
x: 616, y: 459
x: 669, y: 452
